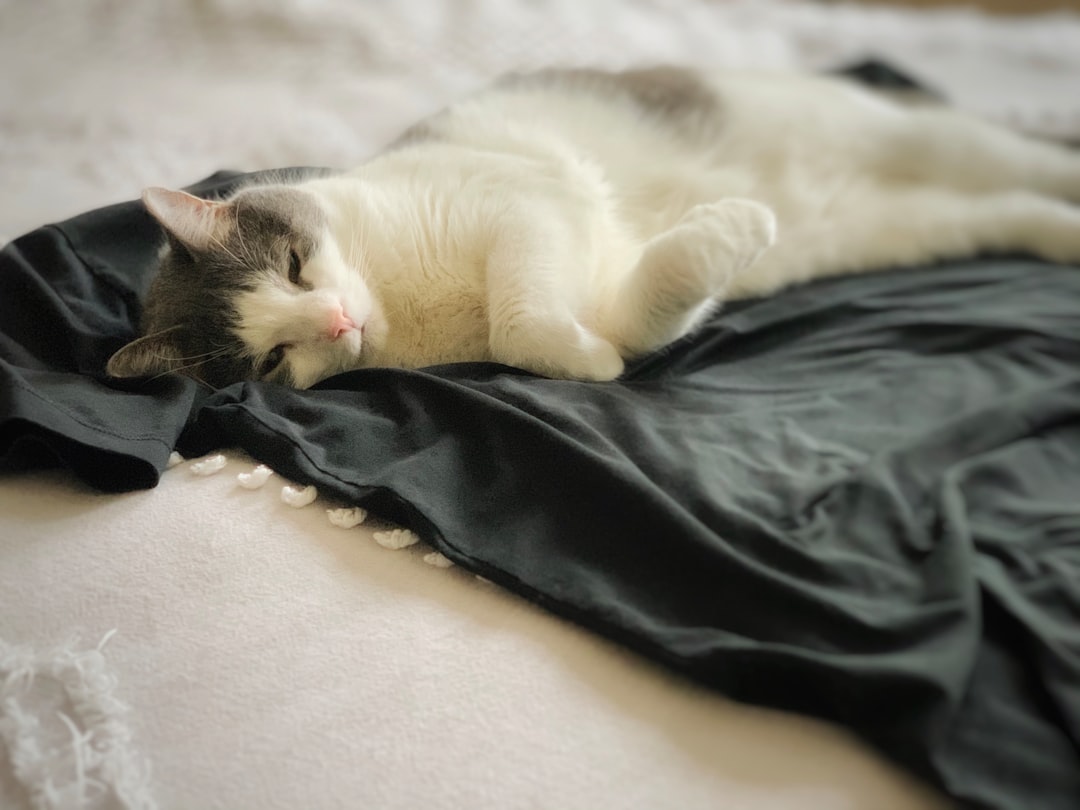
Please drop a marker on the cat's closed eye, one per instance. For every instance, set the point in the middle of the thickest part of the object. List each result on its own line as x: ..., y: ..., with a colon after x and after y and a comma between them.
x: 272, y: 360
x: 295, y: 266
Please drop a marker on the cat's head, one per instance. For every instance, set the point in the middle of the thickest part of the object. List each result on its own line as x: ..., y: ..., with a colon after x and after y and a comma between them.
x: 252, y: 288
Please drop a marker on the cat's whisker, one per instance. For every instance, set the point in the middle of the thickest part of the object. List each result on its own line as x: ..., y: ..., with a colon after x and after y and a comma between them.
x: 231, y: 254
x: 353, y: 257
x: 205, y: 356
x: 240, y: 235
x: 358, y: 237
x: 221, y: 246
x: 195, y: 361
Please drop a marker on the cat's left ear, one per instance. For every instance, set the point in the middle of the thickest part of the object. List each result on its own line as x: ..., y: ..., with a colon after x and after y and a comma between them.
x: 196, y: 223
x: 148, y: 356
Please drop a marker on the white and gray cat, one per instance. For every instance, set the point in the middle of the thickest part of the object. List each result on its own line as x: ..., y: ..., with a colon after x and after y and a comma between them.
x: 566, y: 221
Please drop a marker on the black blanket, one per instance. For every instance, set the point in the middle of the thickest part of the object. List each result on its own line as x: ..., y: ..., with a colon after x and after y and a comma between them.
x: 859, y: 499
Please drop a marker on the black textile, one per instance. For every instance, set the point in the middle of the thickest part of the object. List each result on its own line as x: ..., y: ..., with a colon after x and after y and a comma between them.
x: 857, y: 499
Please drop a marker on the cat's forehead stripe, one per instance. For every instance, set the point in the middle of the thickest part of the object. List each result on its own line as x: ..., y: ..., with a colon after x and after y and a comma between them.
x: 275, y: 212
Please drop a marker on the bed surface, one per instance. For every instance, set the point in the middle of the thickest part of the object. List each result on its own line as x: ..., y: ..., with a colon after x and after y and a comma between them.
x: 253, y: 655
x: 271, y: 660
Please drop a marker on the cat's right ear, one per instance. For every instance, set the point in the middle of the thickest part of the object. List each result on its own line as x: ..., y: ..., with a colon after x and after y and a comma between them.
x: 194, y: 222
x: 148, y: 356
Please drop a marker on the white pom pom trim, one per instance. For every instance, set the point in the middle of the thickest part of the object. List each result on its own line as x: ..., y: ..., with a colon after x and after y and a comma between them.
x: 256, y: 478
x: 396, y: 538
x: 438, y: 560
x: 298, y: 497
x: 209, y: 465
x: 346, y: 518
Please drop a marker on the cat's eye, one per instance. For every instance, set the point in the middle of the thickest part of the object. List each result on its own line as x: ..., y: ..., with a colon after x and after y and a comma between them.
x: 294, y: 267
x: 272, y: 360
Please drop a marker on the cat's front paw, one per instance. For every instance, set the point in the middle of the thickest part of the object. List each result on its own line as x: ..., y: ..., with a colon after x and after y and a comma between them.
x: 601, y: 363
x: 567, y: 350
x: 583, y: 355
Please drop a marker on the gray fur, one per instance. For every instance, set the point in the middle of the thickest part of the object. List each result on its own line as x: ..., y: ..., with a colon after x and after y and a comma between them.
x: 188, y: 319
x: 674, y: 96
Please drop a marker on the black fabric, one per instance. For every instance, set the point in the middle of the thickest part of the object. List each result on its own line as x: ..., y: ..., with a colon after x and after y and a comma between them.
x: 885, y: 76
x: 857, y: 499
x: 68, y: 299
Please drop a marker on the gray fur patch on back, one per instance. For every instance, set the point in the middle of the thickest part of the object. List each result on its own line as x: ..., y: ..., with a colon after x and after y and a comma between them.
x: 196, y: 290
x: 417, y: 133
x: 677, y: 96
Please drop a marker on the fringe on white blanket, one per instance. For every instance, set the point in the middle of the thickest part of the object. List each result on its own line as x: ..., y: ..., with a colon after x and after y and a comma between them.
x: 66, y: 733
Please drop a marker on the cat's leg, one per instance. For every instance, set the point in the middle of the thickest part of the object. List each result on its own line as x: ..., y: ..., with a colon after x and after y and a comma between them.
x: 542, y: 317
x: 534, y: 305
x: 946, y: 147
x: 684, y: 272
x: 913, y: 226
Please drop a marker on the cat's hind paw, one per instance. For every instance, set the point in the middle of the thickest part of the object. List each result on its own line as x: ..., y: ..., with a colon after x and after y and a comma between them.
x: 686, y: 270
x: 718, y: 241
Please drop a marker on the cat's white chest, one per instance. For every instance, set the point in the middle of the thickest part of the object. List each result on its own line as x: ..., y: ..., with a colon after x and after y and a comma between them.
x: 434, y: 303
x: 434, y: 327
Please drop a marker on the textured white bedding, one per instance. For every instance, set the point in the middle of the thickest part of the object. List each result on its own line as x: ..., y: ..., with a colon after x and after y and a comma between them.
x: 271, y: 660
x: 266, y: 658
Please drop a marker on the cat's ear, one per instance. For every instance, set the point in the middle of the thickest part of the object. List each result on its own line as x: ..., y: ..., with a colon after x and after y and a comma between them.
x: 194, y: 222
x: 148, y: 356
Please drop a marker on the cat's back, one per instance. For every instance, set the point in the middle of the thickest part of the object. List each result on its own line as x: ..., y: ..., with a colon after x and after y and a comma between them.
x: 606, y: 116
x: 664, y: 139
x: 652, y: 114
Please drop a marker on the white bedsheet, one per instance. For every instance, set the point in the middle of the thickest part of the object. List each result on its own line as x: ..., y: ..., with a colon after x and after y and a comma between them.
x: 271, y: 660
x: 255, y: 656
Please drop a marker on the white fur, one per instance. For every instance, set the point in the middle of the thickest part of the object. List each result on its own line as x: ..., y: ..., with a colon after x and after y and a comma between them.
x: 565, y: 232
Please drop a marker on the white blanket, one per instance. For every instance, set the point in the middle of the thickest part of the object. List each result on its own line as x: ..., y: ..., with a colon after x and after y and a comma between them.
x: 205, y: 646
x: 267, y: 659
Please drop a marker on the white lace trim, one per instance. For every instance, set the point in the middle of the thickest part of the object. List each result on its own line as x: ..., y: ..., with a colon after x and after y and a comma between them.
x: 66, y: 733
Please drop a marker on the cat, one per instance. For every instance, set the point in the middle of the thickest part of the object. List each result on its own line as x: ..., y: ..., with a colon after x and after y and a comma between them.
x: 566, y: 221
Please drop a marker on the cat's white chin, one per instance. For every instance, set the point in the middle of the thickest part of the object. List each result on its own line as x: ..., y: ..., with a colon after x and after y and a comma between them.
x: 349, y: 351
x: 370, y: 334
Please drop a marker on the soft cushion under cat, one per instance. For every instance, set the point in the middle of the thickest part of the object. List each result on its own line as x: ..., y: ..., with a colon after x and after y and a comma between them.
x: 566, y: 221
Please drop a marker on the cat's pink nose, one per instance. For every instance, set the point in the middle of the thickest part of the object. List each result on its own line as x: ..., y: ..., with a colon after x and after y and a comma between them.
x: 340, y: 324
